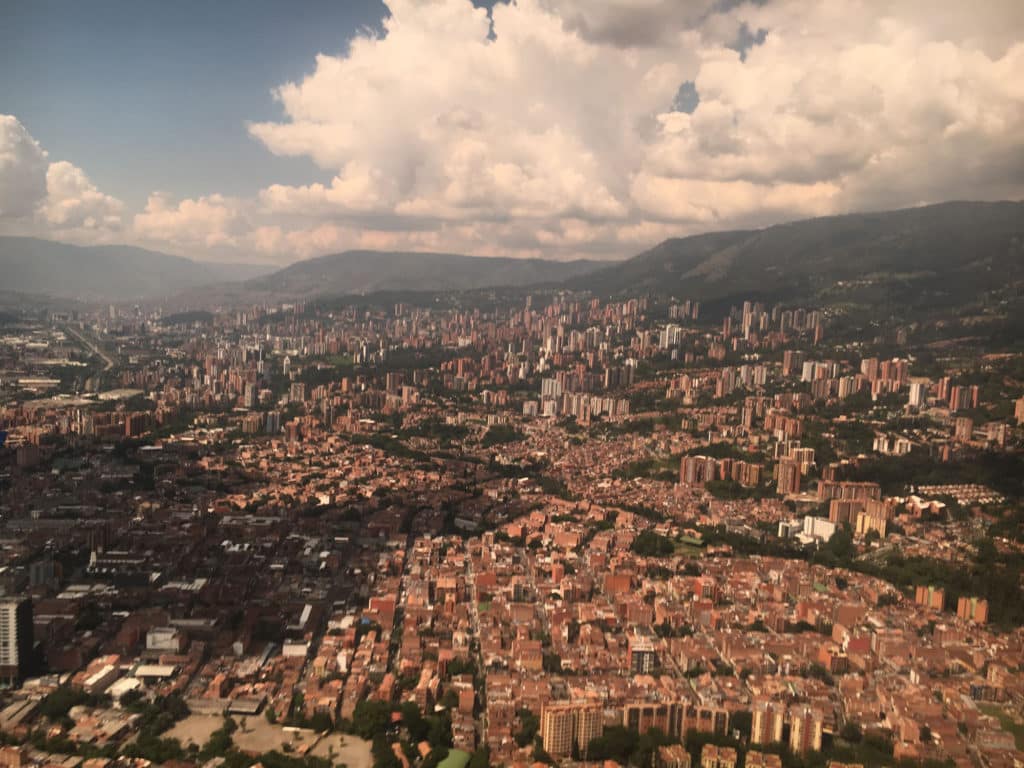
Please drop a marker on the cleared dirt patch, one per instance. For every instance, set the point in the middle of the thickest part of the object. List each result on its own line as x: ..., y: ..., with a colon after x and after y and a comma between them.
x: 195, y: 729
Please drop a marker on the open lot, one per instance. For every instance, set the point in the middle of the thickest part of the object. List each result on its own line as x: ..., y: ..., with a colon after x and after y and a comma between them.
x: 255, y: 734
x: 195, y: 729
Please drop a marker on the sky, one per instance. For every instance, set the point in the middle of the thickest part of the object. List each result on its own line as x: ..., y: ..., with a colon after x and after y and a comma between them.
x: 259, y: 131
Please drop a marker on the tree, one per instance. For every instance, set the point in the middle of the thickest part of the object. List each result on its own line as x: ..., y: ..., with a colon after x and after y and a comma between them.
x: 220, y: 742
x: 647, y: 745
x: 540, y: 754
x: 552, y: 663
x: 383, y: 755
x: 480, y: 759
x: 413, y: 720
x: 651, y: 544
x: 616, y: 743
x: 370, y: 718
x: 529, y: 725
x: 851, y: 732
x: 320, y: 722
x: 439, y: 734
x: 841, y: 544
x: 742, y: 721
x: 434, y: 758
x: 155, y: 749
x: 59, y: 703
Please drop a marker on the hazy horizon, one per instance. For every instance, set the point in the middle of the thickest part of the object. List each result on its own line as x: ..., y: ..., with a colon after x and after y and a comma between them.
x: 244, y: 132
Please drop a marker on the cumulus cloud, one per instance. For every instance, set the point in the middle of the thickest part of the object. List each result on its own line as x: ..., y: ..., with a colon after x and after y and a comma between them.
x: 572, y: 128
x: 207, y: 223
x: 73, y: 201
x: 56, y: 199
x: 632, y: 23
x: 858, y: 109
x: 23, y: 166
x: 551, y: 126
x: 437, y: 120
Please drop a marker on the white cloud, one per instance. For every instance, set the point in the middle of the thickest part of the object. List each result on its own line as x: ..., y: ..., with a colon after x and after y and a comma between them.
x: 73, y: 201
x: 548, y: 128
x: 555, y: 133
x: 47, y: 199
x: 207, y: 223
x: 434, y: 120
x: 22, y: 170
x: 357, y: 188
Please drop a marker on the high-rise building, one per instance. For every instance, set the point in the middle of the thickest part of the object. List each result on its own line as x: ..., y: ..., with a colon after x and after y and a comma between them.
x: 792, y: 360
x: 589, y: 724
x: 550, y: 388
x: 767, y: 723
x: 931, y: 597
x: 848, y: 490
x: 250, y: 395
x: 972, y: 609
x: 671, y: 336
x: 564, y: 724
x: 963, y: 429
x: 556, y: 731
x: 789, y: 477
x: 697, y: 470
x: 963, y: 397
x: 642, y: 656
x: 918, y: 393
x: 273, y: 423
x: 805, y: 729
x: 15, y: 638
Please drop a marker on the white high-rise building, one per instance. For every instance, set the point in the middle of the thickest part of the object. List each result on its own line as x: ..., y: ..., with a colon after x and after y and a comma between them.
x: 15, y: 638
x: 918, y: 392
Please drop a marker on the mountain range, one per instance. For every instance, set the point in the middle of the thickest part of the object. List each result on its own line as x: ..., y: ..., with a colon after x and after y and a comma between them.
x: 106, y: 272
x: 940, y: 253
x: 358, y: 272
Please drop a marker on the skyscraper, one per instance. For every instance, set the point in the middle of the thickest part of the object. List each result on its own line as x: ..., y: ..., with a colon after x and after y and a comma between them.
x: 767, y: 723
x: 15, y: 638
x: 566, y: 724
x: 789, y: 477
x: 806, y: 726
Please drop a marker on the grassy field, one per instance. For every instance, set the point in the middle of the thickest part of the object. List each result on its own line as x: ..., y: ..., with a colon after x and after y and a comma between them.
x: 689, y: 550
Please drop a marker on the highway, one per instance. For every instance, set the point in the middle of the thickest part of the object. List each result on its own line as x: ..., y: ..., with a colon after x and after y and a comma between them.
x: 92, y: 346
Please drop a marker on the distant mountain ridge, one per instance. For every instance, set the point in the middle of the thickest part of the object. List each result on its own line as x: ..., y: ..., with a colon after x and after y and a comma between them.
x: 939, y: 252
x: 357, y: 272
x: 106, y: 272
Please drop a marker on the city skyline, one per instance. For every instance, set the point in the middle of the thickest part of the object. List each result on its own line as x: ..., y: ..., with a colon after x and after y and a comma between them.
x: 511, y: 383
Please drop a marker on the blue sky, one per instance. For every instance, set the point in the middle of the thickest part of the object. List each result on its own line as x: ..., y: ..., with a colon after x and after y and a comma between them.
x: 552, y: 128
x: 157, y: 94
